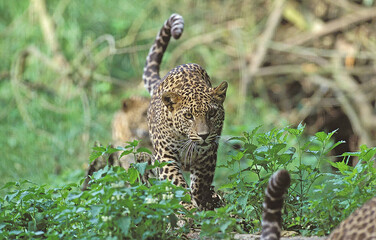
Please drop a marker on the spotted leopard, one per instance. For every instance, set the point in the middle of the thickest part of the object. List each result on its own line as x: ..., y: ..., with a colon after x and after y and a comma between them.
x: 185, y: 119
x: 361, y: 224
x: 128, y: 124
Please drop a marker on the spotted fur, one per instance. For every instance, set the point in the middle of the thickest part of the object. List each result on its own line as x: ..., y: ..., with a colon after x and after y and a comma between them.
x: 361, y: 224
x: 173, y: 26
x: 273, y: 203
x: 185, y: 120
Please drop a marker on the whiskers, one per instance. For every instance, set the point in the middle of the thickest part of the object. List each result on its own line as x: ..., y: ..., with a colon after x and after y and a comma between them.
x: 213, y: 138
x: 188, y: 152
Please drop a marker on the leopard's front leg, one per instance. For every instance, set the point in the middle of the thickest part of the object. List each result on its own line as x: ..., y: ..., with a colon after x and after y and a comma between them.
x: 172, y: 171
x: 202, y: 191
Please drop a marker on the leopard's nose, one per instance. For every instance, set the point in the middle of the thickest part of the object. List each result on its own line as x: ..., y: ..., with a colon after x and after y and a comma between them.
x: 203, y: 136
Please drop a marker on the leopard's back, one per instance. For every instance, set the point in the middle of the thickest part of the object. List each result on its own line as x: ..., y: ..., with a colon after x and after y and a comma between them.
x: 361, y: 224
x: 174, y: 27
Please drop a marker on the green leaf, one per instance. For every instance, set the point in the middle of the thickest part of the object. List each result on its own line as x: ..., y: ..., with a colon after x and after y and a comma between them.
x: 99, y: 149
x: 143, y: 149
x: 369, y: 154
x: 38, y: 233
x: 94, y: 155
x: 242, y: 200
x: 293, y: 131
x: 112, y: 150
x: 335, y: 145
x: 321, y: 136
x: 331, y: 134
x: 228, y: 185
x: 10, y: 184
x: 32, y: 226
x: 141, y: 167
x: 132, y: 175
x: 277, y: 147
x: 95, y: 210
x: 173, y: 220
x: 250, y: 148
x: 134, y: 143
x: 126, y: 153
x: 124, y: 224
x: 223, y: 227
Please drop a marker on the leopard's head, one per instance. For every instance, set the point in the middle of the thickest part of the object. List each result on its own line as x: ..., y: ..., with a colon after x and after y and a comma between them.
x: 198, y: 114
x: 130, y: 123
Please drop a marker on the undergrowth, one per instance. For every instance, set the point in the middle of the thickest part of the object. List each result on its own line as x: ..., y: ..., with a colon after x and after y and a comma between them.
x: 119, y: 206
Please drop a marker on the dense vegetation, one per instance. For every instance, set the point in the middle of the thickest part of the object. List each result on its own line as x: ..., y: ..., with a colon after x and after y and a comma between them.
x: 66, y: 66
x: 118, y: 205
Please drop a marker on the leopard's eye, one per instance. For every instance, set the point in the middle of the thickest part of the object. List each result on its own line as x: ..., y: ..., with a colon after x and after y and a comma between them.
x: 188, y: 116
x: 212, y: 113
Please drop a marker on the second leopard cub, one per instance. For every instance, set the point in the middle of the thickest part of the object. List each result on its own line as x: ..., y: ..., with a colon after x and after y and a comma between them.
x: 185, y: 119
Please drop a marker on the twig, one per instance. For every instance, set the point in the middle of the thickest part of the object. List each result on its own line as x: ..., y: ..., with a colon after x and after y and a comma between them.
x: 32, y: 50
x: 110, y: 79
x: 345, y: 105
x: 302, y: 113
x: 344, y: 4
x: 48, y: 31
x: 86, y: 119
x: 202, y: 38
x: 191, y: 43
x: 334, y: 26
x: 308, y: 68
x: 134, y: 29
x: 259, y: 55
x: 349, y: 86
x: 315, y: 52
x: 17, y: 70
x: 110, y: 49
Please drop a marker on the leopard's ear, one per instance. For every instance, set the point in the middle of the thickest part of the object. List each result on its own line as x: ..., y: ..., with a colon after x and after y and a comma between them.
x: 127, y: 104
x: 170, y: 99
x: 220, y: 92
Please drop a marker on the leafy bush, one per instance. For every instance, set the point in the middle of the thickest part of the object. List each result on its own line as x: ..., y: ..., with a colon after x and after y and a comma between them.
x: 119, y: 206
x: 116, y: 206
x: 316, y: 200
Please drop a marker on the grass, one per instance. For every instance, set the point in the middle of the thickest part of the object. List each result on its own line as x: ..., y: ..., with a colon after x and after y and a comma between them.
x: 50, y: 121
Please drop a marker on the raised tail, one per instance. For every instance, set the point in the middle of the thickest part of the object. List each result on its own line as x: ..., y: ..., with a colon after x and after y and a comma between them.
x: 273, y: 203
x: 174, y: 26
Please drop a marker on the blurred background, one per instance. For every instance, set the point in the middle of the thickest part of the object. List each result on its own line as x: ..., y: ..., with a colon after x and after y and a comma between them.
x: 66, y: 65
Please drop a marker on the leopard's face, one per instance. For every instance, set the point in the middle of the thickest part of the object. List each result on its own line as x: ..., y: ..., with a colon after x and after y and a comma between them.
x: 201, y: 122
x: 197, y: 117
x: 130, y: 123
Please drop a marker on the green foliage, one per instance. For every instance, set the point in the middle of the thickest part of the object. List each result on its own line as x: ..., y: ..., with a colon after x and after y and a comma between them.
x: 344, y: 191
x: 316, y: 200
x: 117, y: 206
